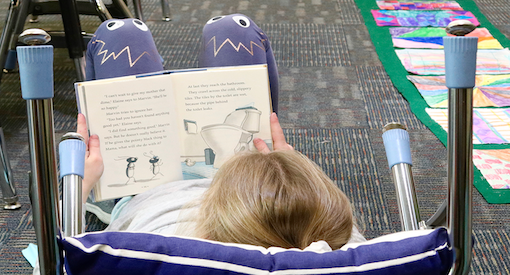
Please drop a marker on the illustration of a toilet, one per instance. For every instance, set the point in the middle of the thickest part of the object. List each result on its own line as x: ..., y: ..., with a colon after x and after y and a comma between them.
x: 233, y: 135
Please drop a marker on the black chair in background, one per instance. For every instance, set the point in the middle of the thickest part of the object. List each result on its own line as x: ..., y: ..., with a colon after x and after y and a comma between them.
x: 71, y: 38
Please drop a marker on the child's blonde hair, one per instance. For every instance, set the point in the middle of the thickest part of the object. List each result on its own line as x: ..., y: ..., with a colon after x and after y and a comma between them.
x: 277, y: 199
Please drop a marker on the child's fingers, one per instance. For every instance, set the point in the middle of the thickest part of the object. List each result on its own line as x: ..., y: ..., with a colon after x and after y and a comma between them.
x: 279, y: 141
x: 94, y: 150
x: 261, y: 146
x: 82, y: 128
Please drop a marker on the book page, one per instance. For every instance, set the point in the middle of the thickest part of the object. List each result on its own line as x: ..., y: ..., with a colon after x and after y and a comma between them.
x: 135, y: 119
x: 221, y: 111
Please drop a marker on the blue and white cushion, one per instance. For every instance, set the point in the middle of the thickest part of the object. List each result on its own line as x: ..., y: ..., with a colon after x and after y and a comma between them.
x: 411, y: 252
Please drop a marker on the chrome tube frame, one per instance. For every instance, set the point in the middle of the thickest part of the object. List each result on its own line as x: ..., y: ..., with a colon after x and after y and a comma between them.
x: 460, y: 175
x: 406, y: 196
x: 72, y: 206
x: 44, y: 181
x: 398, y: 153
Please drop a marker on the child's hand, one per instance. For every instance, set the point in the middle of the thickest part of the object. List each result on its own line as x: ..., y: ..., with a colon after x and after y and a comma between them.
x: 279, y: 142
x: 93, y: 160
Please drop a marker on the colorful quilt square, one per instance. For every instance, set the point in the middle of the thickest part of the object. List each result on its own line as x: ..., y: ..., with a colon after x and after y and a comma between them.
x: 420, y: 18
x: 431, y: 62
x: 494, y: 166
x: 489, y: 91
x: 418, y: 5
x: 490, y: 125
x: 432, y: 38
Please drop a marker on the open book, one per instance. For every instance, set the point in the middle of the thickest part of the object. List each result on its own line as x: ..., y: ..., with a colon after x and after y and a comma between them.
x: 173, y: 125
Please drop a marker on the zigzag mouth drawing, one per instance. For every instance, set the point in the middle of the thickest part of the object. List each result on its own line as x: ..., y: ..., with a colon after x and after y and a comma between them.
x: 107, y: 56
x: 227, y: 41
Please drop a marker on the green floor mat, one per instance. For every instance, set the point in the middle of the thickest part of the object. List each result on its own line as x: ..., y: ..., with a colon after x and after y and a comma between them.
x: 382, y: 41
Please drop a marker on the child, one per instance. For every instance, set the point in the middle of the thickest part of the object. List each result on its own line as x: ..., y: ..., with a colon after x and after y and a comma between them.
x: 278, y: 198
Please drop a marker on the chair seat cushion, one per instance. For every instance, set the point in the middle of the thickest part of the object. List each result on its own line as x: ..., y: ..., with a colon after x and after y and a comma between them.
x: 411, y: 252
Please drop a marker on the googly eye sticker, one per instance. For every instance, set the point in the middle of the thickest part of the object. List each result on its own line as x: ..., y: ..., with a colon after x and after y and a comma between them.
x: 214, y: 19
x: 241, y: 21
x: 114, y: 24
x: 139, y: 24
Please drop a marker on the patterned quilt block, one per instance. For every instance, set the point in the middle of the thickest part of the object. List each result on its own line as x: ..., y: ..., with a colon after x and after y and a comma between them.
x: 490, y: 125
x: 418, y: 5
x: 489, y: 90
x: 415, y: 18
x: 431, y: 62
x: 432, y: 38
x: 494, y: 166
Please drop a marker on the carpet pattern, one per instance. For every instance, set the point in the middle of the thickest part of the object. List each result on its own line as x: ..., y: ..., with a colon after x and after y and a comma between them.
x: 335, y: 97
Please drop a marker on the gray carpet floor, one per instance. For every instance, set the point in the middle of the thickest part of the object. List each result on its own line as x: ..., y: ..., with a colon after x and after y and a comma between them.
x: 335, y: 97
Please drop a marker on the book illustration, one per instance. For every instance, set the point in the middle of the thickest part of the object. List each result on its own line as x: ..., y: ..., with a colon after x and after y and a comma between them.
x: 130, y: 171
x: 193, y: 144
x: 155, y: 163
x: 154, y: 166
x: 232, y: 136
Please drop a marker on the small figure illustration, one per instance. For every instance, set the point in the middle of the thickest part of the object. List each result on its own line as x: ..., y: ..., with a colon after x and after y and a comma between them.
x: 155, y: 164
x: 130, y: 171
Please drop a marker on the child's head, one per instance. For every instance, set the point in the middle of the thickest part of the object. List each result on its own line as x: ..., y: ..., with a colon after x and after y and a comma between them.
x: 277, y: 199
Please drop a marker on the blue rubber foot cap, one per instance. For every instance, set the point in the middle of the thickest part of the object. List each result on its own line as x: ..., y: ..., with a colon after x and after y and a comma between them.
x: 72, y: 157
x: 397, y: 145
x: 460, y: 61
x: 36, y: 71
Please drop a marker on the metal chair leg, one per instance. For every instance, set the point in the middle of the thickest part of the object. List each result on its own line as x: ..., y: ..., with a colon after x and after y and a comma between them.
x: 79, y: 64
x: 7, y: 32
x: 101, y: 9
x: 165, y: 9
x: 17, y: 9
x: 138, y: 9
x: 73, y: 35
x: 123, y: 7
x: 8, y: 191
